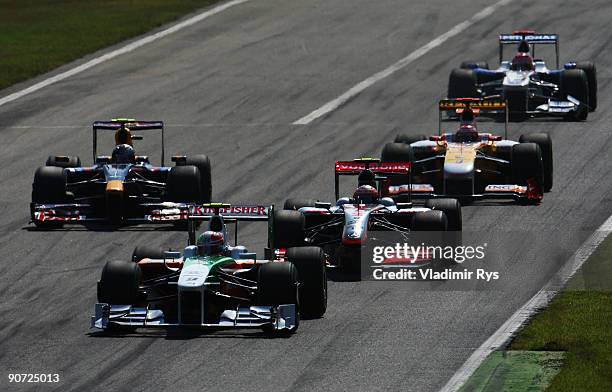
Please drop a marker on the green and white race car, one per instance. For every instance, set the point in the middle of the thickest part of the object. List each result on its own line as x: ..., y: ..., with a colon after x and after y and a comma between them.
x: 212, y: 284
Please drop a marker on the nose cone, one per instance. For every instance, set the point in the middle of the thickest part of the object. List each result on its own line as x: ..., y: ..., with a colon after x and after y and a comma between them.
x: 454, y: 169
x: 114, y: 186
x: 193, y: 277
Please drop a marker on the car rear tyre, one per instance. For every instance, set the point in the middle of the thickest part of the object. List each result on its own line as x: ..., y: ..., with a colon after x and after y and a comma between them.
x: 64, y: 162
x: 397, y: 152
x: 202, y: 162
x: 544, y: 141
x: 409, y: 139
x: 183, y: 184
x: 296, y: 204
x: 462, y: 83
x: 288, y: 229
x: 310, y: 263
x: 147, y: 252
x: 474, y: 64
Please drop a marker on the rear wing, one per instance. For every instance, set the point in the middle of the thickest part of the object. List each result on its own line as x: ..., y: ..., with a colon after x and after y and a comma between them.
x: 357, y: 166
x: 229, y: 213
x: 132, y: 124
x: 532, y: 39
x: 478, y: 105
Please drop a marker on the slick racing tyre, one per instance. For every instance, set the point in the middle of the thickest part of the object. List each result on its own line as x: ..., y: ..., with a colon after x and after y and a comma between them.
x: 451, y: 209
x: 574, y: 82
x: 147, y: 252
x: 277, y: 284
x: 430, y: 221
x: 474, y: 64
x: 119, y: 284
x: 527, y: 164
x: 49, y: 185
x: 430, y: 228
x: 462, y: 83
x: 296, y: 204
x: 310, y: 263
x: 183, y: 184
x: 544, y: 141
x: 63, y: 161
x: 202, y: 162
x: 397, y: 152
x: 591, y: 74
x: 288, y: 229
x: 409, y: 139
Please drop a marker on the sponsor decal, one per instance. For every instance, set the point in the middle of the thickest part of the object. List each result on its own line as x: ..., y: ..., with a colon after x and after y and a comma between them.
x: 356, y: 167
x: 233, y: 210
x: 481, y: 105
x: 528, y: 38
x: 398, y: 189
x: 506, y: 188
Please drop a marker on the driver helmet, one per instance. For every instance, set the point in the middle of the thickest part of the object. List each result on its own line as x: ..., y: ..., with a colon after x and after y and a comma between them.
x: 522, y: 62
x: 365, y: 194
x: 123, y: 153
x: 211, y: 243
x: 123, y: 135
x: 467, y: 115
x: 466, y: 133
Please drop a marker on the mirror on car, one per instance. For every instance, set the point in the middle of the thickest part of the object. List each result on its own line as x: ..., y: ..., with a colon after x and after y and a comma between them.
x: 169, y: 254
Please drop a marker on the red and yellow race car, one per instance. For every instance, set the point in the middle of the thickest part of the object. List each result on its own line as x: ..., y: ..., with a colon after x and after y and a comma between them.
x: 470, y: 164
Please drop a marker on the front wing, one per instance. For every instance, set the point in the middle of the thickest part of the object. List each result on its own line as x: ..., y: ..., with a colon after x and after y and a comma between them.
x: 528, y: 192
x: 82, y: 213
x: 277, y: 318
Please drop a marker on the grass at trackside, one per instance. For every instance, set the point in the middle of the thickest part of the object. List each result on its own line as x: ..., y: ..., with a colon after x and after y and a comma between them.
x: 37, y: 36
x: 520, y: 371
x: 579, y: 321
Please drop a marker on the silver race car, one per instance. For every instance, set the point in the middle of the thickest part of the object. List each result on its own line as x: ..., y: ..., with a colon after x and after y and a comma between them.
x: 341, y: 228
x: 528, y: 84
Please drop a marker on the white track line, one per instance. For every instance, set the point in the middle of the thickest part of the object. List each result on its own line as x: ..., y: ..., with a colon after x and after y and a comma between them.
x: 535, y: 304
x: 123, y: 50
x: 359, y: 87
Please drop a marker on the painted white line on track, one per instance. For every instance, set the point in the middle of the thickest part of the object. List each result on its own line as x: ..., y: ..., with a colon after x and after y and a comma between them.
x: 535, y: 303
x: 118, y: 52
x: 420, y: 52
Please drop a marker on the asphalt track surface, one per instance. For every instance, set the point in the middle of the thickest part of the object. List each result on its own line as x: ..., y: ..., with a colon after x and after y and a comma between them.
x: 230, y: 87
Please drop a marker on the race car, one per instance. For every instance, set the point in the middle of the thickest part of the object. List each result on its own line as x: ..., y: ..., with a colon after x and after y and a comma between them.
x: 341, y: 228
x: 121, y: 188
x: 212, y: 284
x: 469, y: 164
x: 527, y: 84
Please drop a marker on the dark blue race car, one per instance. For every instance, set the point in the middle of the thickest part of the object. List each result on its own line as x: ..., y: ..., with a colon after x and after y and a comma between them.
x: 120, y: 188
